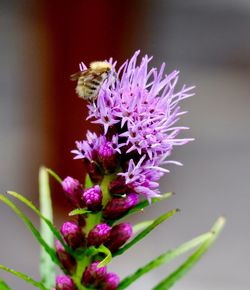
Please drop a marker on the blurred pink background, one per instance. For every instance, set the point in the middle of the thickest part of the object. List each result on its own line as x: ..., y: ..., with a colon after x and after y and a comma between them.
x: 42, y: 43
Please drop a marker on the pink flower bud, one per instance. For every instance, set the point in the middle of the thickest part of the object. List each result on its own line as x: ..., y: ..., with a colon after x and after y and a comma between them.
x: 72, y: 189
x: 118, y: 206
x: 64, y: 282
x: 99, y: 235
x: 111, y: 282
x: 119, y: 235
x: 118, y: 186
x: 93, y: 276
x: 94, y: 171
x: 92, y: 198
x: 67, y: 261
x: 107, y: 157
x: 72, y: 234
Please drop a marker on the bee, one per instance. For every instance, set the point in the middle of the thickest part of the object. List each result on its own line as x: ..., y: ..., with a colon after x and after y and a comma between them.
x: 89, y: 81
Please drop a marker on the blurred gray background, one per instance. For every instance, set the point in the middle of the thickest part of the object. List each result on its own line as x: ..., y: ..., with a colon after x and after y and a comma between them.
x: 209, y: 42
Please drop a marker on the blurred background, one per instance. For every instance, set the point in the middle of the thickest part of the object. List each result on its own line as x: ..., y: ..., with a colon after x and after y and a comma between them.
x: 42, y: 43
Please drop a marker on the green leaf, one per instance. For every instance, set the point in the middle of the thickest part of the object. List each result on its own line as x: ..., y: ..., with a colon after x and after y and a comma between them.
x: 48, y: 222
x: 142, y: 205
x: 30, y: 225
x: 3, y: 285
x: 193, y: 259
x: 22, y: 276
x: 164, y: 258
x: 47, y: 267
x: 92, y: 251
x: 79, y: 211
x: 88, y: 182
x: 146, y: 231
x: 141, y: 226
x: 107, y: 259
x: 53, y: 174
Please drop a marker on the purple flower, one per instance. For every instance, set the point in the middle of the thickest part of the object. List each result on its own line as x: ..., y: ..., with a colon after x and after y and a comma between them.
x: 145, y: 103
x: 88, y: 149
x: 142, y: 177
x: 67, y: 261
x: 119, y: 235
x: 111, y: 281
x: 72, y: 188
x: 93, y: 275
x: 92, y: 198
x: 72, y: 234
x: 64, y: 282
x: 99, y: 235
x: 118, y: 206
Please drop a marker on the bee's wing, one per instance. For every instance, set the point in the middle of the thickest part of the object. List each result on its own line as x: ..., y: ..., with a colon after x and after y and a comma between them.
x: 75, y: 76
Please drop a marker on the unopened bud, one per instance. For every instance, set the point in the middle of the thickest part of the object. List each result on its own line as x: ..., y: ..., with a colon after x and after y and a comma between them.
x: 72, y: 189
x: 72, y: 234
x: 64, y: 282
x: 118, y: 206
x: 111, y: 281
x: 67, y: 261
x: 118, y: 186
x: 107, y: 157
x: 93, y: 275
x: 94, y: 171
x: 99, y: 235
x: 92, y: 198
x: 119, y: 235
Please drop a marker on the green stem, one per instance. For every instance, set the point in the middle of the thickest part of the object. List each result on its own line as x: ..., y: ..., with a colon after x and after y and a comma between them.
x: 104, y: 187
x: 77, y: 277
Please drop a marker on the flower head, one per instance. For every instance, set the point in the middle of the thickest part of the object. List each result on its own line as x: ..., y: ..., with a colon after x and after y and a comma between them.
x: 144, y: 105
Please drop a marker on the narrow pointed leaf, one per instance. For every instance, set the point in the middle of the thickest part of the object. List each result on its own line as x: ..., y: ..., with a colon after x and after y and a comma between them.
x: 30, y: 225
x: 53, y: 174
x: 47, y: 267
x: 3, y: 285
x: 79, y: 211
x: 21, y: 276
x: 107, y: 259
x: 48, y: 222
x: 92, y: 251
x: 146, y: 231
x: 165, y: 258
x: 141, y: 226
x: 88, y: 182
x: 193, y: 259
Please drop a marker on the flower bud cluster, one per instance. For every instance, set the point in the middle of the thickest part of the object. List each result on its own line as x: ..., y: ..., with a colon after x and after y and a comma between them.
x: 75, y: 236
